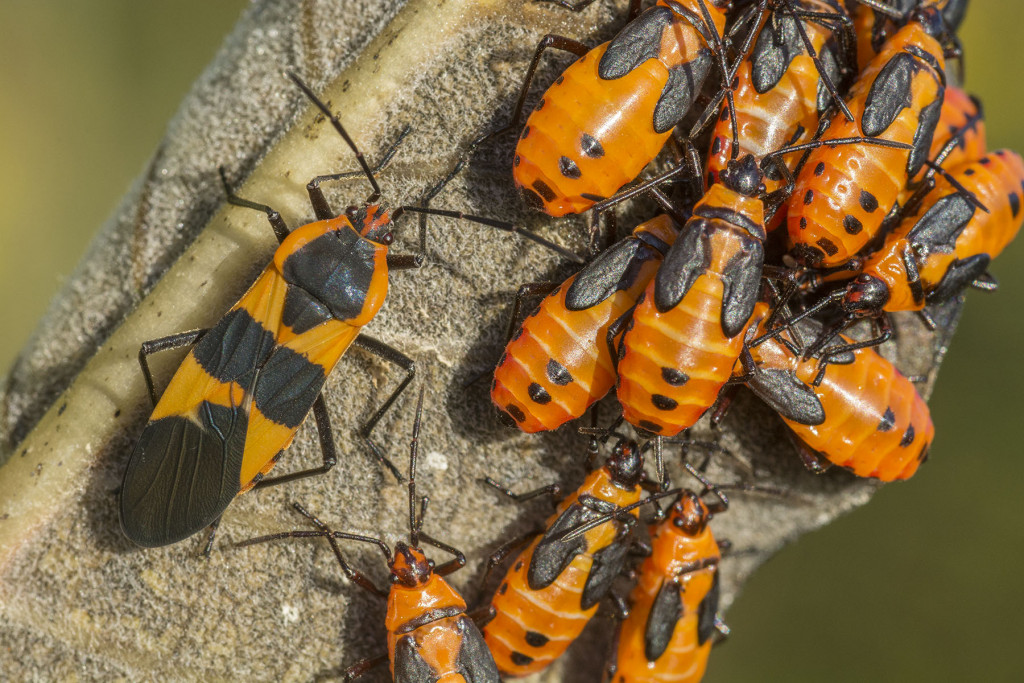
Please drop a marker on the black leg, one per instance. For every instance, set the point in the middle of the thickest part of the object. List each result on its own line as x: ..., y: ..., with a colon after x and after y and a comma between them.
x: 276, y: 222
x: 526, y: 290
x: 332, y: 537
x: 382, y: 350
x: 174, y: 341
x: 506, y: 549
x: 553, y: 490
x: 209, y: 539
x: 450, y: 566
x: 321, y: 208
x: 404, y: 261
x: 362, y: 667
x: 327, y: 448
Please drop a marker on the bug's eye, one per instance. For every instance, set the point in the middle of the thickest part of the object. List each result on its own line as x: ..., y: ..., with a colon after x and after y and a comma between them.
x: 387, y: 238
x: 351, y: 211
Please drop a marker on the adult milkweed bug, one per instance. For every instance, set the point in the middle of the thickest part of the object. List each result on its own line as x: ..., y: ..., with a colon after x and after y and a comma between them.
x: 932, y: 257
x: 553, y: 589
x: 611, y: 112
x: 800, y: 61
x: 843, y: 195
x: 862, y: 415
x: 430, y: 637
x: 557, y: 364
x: 239, y: 396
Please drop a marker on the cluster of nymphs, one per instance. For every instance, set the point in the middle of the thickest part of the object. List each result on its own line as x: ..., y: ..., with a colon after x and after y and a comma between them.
x: 838, y: 120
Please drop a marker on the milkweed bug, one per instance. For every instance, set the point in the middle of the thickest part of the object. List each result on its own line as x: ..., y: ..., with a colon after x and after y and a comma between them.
x: 802, y: 57
x: 862, y: 415
x: 558, y: 363
x: 686, y: 332
x: 673, y: 610
x: 611, y: 112
x: 843, y: 195
x: 429, y: 635
x: 239, y: 396
x: 932, y: 257
x: 553, y: 589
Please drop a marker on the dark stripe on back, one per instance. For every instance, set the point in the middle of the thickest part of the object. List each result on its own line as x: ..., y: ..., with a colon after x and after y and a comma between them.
x: 287, y: 386
x: 234, y: 348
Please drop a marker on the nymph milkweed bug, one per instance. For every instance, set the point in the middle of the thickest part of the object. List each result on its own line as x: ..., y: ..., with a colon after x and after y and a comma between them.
x: 558, y: 362
x: 933, y: 256
x: 429, y: 635
x: 843, y: 195
x: 239, y: 396
x: 862, y: 415
x: 796, y: 70
x: 554, y: 588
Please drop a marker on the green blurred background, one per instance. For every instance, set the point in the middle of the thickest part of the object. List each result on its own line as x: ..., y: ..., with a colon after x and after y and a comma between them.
x: 922, y: 583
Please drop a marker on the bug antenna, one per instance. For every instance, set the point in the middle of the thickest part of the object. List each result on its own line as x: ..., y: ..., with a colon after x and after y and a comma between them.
x: 415, y: 520
x: 708, y: 486
x: 964, y: 192
x: 341, y: 130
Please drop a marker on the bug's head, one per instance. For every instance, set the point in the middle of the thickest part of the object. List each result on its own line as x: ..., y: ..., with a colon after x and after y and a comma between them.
x: 932, y: 20
x: 865, y: 296
x: 690, y: 514
x: 744, y: 176
x: 410, y: 567
x: 372, y: 221
x: 626, y: 464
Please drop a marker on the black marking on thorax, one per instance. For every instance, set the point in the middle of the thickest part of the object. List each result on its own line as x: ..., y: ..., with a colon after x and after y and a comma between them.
x: 428, y: 617
x: 337, y: 269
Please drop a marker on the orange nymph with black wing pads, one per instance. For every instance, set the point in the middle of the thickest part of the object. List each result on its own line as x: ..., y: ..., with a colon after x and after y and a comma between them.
x: 558, y: 363
x: 610, y: 113
x: 864, y: 416
x: 843, y: 194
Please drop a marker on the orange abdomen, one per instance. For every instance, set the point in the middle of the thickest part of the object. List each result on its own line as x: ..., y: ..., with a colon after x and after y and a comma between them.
x: 674, y: 363
x: 876, y: 424
x: 534, y: 625
x: 600, y: 123
x: 843, y: 193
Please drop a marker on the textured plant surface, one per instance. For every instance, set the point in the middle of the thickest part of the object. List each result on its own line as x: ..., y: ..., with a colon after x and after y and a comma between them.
x: 76, y: 597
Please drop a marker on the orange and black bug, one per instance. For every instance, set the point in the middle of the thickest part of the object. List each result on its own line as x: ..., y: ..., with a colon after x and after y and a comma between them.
x: 673, y: 609
x: 685, y: 334
x: 842, y: 195
x: 793, y: 74
x: 863, y: 416
x: 611, y: 112
x: 931, y: 258
x: 430, y: 637
x: 239, y: 396
x: 558, y: 363
x: 555, y: 585
x: 875, y: 23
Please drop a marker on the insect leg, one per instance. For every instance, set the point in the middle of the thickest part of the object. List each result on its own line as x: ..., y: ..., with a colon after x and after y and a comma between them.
x: 174, y: 341
x: 379, y: 348
x: 362, y: 667
x: 276, y: 222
